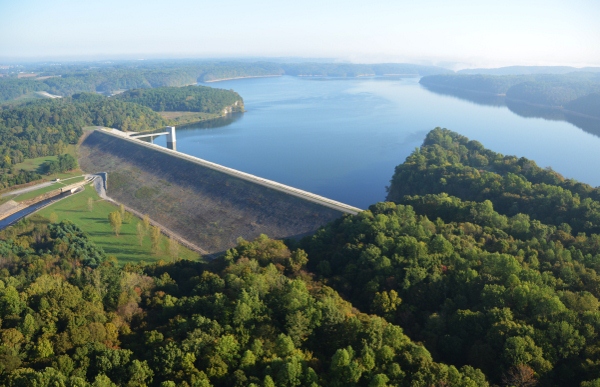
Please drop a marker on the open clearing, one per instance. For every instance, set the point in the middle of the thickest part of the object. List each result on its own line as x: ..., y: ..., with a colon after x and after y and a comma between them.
x: 36, y: 163
x: 126, y: 246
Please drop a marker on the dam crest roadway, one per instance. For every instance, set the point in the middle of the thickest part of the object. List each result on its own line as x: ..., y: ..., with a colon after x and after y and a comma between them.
x: 326, y: 202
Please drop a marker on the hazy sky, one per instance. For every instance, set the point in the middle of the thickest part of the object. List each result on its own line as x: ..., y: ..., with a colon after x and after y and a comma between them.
x: 475, y: 32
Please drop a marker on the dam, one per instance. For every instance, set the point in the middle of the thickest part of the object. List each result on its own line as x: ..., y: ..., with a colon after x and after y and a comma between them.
x: 206, y: 203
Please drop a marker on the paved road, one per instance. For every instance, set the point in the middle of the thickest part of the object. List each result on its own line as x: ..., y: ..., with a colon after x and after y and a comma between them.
x: 34, y: 187
x: 27, y: 189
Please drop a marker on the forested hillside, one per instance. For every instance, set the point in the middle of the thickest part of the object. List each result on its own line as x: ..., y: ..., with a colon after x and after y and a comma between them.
x: 46, y: 127
x: 71, y: 317
x: 190, y: 98
x: 451, y: 163
x: 109, y: 78
x: 508, y: 295
x: 498, y: 282
x: 504, y: 279
x: 572, y: 91
x: 43, y: 128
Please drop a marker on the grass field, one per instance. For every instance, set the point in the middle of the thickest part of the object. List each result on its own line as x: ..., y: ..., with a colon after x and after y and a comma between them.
x: 125, y: 247
x: 43, y: 190
x: 35, y: 164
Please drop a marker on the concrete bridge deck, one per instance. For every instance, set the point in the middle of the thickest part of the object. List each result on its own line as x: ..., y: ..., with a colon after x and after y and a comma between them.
x: 338, y: 206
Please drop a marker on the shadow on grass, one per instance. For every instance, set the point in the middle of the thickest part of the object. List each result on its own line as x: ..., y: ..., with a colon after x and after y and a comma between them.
x: 99, y: 220
x: 112, y: 250
x: 107, y: 234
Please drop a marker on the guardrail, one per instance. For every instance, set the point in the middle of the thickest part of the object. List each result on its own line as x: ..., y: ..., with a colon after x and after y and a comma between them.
x: 242, y: 175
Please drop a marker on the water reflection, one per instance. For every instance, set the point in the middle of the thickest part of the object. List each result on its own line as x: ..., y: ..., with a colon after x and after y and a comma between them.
x: 471, y: 96
x: 214, y: 123
x: 590, y: 125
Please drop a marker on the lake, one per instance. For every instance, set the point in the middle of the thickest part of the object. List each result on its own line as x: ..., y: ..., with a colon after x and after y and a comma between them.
x: 342, y: 138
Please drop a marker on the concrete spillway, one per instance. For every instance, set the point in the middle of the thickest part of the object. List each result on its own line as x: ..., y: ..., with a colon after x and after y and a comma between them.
x: 208, y: 204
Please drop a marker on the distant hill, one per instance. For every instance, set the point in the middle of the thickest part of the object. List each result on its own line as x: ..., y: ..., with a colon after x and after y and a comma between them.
x: 547, y: 90
x: 109, y: 78
x: 528, y: 70
x: 358, y: 70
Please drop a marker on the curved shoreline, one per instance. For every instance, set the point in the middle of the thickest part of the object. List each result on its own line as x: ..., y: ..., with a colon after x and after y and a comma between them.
x: 246, y: 77
x: 549, y: 107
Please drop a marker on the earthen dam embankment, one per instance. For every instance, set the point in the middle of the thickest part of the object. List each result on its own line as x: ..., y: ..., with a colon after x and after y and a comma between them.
x: 207, y: 204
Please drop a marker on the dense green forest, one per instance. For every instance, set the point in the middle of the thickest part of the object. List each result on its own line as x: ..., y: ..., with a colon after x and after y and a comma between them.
x: 71, y: 317
x: 45, y: 127
x: 108, y: 78
x: 496, y: 285
x: 190, y: 98
x: 63, y: 163
x: 502, y: 278
x: 572, y: 91
x: 451, y: 163
x: 503, y: 294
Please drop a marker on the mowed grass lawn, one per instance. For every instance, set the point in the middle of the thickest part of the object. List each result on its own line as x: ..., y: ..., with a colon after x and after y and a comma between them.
x: 126, y: 246
x: 35, y: 164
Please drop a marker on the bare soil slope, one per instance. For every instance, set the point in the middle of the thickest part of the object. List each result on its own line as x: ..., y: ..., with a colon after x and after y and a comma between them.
x: 207, y: 207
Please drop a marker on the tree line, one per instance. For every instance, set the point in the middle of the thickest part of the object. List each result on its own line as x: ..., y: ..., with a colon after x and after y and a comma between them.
x: 108, y: 78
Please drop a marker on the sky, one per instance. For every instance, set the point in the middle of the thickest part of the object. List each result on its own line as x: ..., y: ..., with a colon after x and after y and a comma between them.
x: 457, y: 33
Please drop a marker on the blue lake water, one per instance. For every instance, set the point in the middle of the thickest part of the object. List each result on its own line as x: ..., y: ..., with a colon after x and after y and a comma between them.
x: 342, y: 138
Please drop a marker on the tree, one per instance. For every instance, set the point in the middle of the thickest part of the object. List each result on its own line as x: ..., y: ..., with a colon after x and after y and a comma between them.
x: 173, y: 248
x: 53, y: 217
x: 519, y: 376
x: 155, y: 238
x: 146, y: 221
x: 115, y: 221
x: 122, y: 211
x: 140, y: 232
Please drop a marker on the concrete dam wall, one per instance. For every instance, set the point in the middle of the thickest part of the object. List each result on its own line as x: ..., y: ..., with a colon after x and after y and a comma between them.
x: 207, y: 204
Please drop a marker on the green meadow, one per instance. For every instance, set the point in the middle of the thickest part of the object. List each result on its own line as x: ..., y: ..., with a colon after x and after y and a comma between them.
x: 126, y: 246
